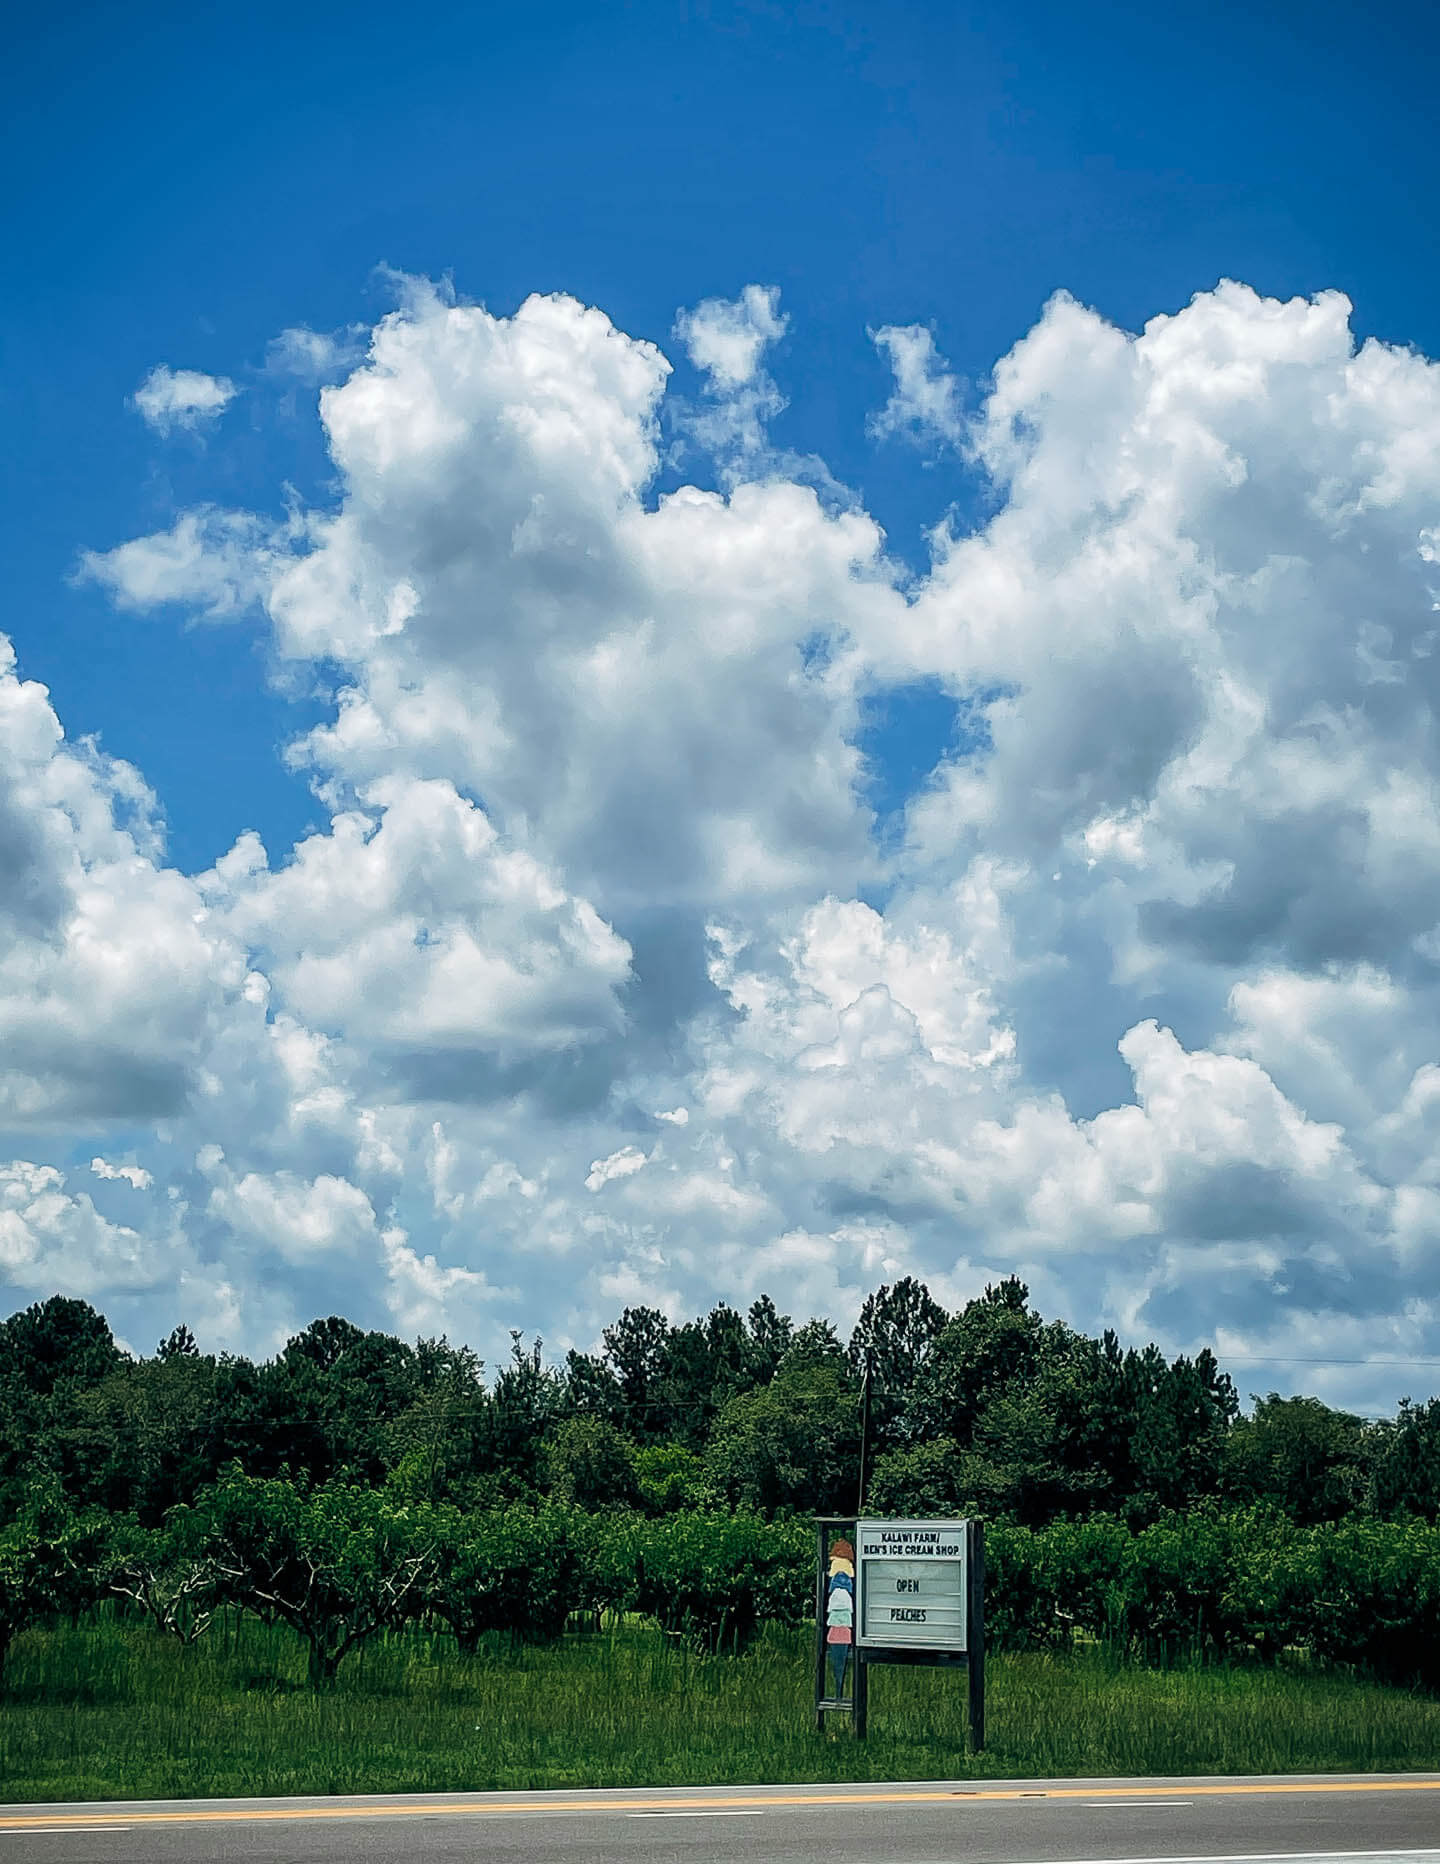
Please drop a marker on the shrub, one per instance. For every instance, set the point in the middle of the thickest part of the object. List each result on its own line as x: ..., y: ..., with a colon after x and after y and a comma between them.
x: 714, y: 1579
x: 48, y: 1560
x: 1084, y: 1572
x: 1374, y: 1597
x: 514, y: 1569
x: 1019, y: 1609
x: 669, y: 1477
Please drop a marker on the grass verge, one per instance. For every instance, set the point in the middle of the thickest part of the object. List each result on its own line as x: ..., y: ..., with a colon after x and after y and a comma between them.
x: 110, y: 1710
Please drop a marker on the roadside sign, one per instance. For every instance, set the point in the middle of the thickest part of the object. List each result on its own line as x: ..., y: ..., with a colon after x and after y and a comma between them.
x: 902, y: 1592
x: 913, y: 1583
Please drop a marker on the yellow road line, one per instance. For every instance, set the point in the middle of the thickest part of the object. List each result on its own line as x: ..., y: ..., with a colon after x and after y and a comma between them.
x: 610, y: 1802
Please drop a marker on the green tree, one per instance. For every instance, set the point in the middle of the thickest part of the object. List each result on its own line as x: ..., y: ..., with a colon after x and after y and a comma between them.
x: 768, y: 1334
x: 337, y: 1563
x: 58, y: 1342
x: 923, y: 1479
x: 179, y: 1343
x: 891, y: 1344
x: 515, y: 1569
x: 681, y: 1404
x: 19, y: 1423
x: 49, y: 1557
x: 328, y: 1398
x: 791, y: 1444
x: 1101, y: 1420
x: 636, y: 1349
x: 141, y: 1439
x: 670, y: 1477
x: 592, y: 1389
x: 714, y: 1579
x: 168, y: 1573
x: 815, y: 1344
x: 591, y: 1464
x: 991, y: 1342
x: 1183, y: 1411
x: 1300, y: 1455
x: 702, y: 1366
x: 526, y: 1404
x: 1374, y: 1596
x: 440, y: 1447
x: 1406, y: 1476
x: 1040, y: 1443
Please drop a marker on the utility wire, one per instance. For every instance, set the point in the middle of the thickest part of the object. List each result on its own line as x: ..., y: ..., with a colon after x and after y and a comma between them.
x: 1274, y: 1359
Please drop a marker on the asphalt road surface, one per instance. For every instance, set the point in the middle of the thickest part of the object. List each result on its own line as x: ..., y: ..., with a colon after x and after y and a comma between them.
x: 1376, y: 1817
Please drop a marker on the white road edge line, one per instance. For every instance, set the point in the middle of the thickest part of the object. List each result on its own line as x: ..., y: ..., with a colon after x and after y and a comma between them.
x: 1385, y: 1854
x: 1396, y: 1852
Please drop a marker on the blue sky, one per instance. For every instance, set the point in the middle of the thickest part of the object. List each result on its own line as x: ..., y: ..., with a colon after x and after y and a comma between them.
x: 191, y: 188
x: 717, y: 876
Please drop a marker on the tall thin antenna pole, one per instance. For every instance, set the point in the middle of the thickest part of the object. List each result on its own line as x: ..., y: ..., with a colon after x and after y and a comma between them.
x: 864, y: 1435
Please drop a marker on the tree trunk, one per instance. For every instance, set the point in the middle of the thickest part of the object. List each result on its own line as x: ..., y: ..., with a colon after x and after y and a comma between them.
x: 324, y: 1664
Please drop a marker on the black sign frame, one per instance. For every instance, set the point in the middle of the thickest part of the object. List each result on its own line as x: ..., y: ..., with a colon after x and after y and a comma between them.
x: 972, y: 1659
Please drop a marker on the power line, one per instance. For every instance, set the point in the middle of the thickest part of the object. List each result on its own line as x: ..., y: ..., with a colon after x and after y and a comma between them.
x: 1274, y: 1359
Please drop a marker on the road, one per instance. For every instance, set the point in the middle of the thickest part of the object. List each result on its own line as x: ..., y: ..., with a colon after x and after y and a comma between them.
x: 1376, y: 1817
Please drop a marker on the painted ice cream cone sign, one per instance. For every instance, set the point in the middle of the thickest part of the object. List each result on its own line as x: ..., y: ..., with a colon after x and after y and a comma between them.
x: 840, y: 1609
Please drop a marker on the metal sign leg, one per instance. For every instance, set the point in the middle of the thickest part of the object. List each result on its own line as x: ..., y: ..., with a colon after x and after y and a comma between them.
x: 821, y: 1538
x: 976, y: 1642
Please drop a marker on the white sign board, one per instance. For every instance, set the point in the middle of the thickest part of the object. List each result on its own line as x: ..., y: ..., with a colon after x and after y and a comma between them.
x: 911, y: 1577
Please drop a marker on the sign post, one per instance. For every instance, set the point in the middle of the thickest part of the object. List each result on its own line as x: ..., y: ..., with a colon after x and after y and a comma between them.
x: 897, y: 1592
x: 975, y: 1650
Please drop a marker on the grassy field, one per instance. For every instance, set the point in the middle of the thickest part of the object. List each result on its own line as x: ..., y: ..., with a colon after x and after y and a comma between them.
x: 110, y: 1710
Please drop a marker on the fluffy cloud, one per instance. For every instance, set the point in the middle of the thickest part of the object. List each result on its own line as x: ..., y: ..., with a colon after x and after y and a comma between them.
x: 213, y: 563
x: 113, y: 985
x: 726, y: 340
x: 620, y: 1164
x: 313, y: 355
x: 302, y: 1220
x: 924, y: 404
x: 135, y: 1176
x: 55, y: 1241
x: 600, y: 984
x: 170, y: 398
x: 409, y: 929
x: 513, y: 619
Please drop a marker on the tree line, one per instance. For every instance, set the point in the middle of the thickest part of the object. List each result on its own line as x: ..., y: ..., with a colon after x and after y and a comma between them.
x: 989, y: 1410
x: 340, y: 1564
x: 356, y: 1484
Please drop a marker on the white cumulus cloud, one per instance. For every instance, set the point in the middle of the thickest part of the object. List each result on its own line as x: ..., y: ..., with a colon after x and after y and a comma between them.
x: 924, y: 404
x: 1141, y: 998
x: 313, y: 356
x: 726, y: 339
x: 188, y: 398
x: 621, y: 1164
x: 135, y: 1176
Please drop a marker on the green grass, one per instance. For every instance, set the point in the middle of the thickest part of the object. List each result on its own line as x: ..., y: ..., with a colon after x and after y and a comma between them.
x: 110, y: 1710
